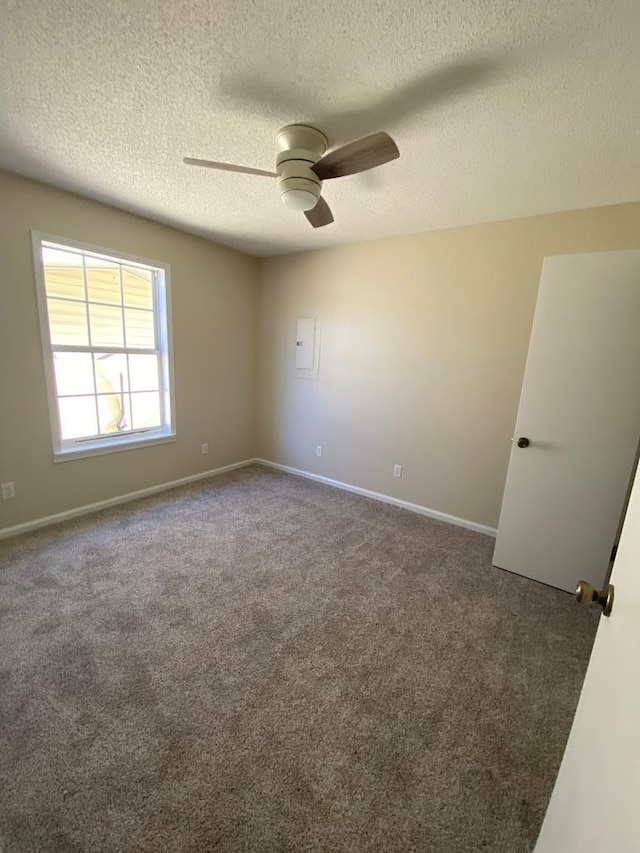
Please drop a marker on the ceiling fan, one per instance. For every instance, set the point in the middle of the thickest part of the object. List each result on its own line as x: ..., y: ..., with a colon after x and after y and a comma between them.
x: 302, y: 166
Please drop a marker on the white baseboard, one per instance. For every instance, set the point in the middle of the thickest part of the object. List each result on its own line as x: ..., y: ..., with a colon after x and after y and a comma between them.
x: 387, y: 499
x: 5, y: 532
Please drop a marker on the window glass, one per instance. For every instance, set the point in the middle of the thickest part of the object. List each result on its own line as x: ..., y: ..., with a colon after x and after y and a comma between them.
x: 74, y: 373
x: 68, y: 322
x: 136, y: 287
x: 108, y: 347
x: 139, y: 327
x: 103, y: 281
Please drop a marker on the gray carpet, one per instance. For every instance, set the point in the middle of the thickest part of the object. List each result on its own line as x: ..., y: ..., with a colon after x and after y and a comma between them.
x: 261, y: 663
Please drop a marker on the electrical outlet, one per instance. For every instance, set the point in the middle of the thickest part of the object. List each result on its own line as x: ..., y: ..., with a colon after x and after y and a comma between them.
x: 8, y: 491
x: 204, y: 447
x: 397, y: 470
x: 318, y: 450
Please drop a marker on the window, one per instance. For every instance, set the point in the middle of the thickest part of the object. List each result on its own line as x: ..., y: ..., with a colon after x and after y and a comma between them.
x: 107, y: 349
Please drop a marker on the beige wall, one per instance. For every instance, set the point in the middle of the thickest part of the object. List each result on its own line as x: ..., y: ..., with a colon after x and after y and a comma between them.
x: 424, y: 341
x: 214, y: 327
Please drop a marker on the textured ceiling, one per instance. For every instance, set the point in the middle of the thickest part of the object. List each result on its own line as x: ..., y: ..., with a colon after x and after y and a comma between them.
x: 500, y: 108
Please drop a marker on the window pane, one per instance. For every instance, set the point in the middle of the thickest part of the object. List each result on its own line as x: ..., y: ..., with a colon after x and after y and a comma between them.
x: 68, y: 322
x: 77, y: 417
x: 103, y: 281
x: 111, y: 372
x: 136, y: 286
x: 143, y: 370
x: 63, y: 273
x: 64, y: 257
x: 106, y: 326
x: 140, y: 328
x: 96, y: 302
x: 74, y: 373
x: 114, y: 413
x: 145, y: 410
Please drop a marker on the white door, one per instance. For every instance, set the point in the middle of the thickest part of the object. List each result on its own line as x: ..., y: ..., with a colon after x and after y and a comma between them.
x: 595, y: 803
x: 580, y: 411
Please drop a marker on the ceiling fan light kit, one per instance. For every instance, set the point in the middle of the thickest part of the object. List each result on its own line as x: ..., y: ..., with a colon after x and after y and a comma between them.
x: 299, y: 148
x: 301, y: 166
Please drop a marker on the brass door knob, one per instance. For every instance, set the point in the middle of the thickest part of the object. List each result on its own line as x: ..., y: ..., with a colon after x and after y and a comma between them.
x: 586, y: 593
x: 523, y: 442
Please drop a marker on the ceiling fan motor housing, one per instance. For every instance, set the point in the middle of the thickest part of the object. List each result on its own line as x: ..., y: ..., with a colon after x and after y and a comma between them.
x: 299, y: 147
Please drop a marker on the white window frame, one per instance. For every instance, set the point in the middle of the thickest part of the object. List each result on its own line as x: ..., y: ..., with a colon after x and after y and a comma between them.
x: 64, y: 450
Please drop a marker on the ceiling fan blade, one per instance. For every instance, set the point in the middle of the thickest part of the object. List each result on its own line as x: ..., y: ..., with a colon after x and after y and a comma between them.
x: 320, y: 215
x: 358, y: 156
x: 228, y: 167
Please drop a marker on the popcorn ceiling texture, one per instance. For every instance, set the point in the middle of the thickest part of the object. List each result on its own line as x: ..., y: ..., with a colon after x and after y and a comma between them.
x: 500, y: 108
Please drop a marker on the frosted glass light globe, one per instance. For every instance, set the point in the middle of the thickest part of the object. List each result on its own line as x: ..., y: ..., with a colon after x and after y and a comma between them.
x: 299, y: 200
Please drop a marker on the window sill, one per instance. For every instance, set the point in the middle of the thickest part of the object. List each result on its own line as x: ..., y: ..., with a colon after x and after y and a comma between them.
x: 101, y: 448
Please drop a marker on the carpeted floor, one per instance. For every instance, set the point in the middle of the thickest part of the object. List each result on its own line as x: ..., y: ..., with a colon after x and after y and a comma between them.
x: 262, y: 663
